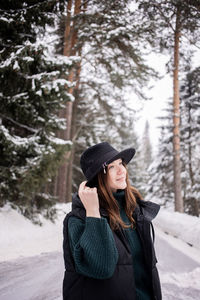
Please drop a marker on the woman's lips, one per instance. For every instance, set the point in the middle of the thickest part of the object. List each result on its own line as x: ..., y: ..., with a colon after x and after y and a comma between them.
x: 121, y: 179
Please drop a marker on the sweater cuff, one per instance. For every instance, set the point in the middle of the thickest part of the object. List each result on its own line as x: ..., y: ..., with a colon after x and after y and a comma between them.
x: 90, y: 220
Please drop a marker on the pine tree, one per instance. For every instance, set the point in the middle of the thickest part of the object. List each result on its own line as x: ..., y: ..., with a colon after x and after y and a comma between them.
x: 190, y: 140
x: 124, y: 136
x: 160, y: 184
x: 144, y: 159
x: 171, y: 22
x: 146, y: 147
x: 32, y: 91
x: 161, y: 179
x: 112, y: 65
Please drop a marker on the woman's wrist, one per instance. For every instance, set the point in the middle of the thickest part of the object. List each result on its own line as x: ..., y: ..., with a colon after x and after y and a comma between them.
x: 94, y: 214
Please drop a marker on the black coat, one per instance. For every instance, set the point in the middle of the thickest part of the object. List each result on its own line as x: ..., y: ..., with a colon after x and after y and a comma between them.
x: 121, y: 286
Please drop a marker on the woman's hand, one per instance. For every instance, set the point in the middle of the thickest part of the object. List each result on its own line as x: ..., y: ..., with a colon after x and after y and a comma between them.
x: 90, y: 200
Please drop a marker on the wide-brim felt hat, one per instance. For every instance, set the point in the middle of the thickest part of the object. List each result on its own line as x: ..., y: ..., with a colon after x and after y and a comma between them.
x: 97, y: 157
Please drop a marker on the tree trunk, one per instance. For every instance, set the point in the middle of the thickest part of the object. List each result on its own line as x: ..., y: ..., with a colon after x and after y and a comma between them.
x: 67, y: 33
x: 60, y: 180
x: 70, y: 40
x: 73, y: 131
x: 194, y: 202
x: 176, y: 120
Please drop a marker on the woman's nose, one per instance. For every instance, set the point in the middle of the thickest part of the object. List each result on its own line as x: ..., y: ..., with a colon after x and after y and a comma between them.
x: 119, y: 169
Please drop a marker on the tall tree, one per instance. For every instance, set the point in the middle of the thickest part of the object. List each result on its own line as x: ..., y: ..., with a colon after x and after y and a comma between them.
x: 63, y: 182
x: 190, y: 140
x: 145, y: 157
x: 171, y: 22
x: 146, y: 147
x: 160, y: 180
x: 111, y: 65
x: 32, y: 91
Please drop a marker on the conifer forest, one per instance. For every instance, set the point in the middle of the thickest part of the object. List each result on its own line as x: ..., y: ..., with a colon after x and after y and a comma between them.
x: 70, y: 73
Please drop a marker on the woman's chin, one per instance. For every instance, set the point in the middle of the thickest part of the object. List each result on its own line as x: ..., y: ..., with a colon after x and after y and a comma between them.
x: 121, y: 186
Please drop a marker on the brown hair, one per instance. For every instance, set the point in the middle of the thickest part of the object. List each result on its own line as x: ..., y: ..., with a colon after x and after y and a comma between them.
x: 108, y: 202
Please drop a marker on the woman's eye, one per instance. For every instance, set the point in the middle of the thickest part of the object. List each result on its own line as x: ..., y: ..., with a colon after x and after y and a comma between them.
x: 111, y: 167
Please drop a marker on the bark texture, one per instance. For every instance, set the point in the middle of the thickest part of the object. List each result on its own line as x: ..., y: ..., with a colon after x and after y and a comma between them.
x: 64, y: 178
x: 176, y: 120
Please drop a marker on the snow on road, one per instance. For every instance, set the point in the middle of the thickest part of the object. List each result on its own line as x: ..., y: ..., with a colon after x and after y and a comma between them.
x: 32, y: 278
x: 179, y: 268
x: 40, y: 277
x: 32, y: 267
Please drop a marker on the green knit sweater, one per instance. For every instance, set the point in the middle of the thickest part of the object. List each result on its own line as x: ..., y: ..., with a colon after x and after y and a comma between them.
x: 142, y: 280
x: 95, y: 253
x: 93, y: 247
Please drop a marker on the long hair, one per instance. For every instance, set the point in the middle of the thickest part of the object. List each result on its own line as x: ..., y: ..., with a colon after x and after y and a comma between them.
x: 108, y: 202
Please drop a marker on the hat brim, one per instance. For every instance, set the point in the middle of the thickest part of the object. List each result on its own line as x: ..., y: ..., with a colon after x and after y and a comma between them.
x: 126, y: 155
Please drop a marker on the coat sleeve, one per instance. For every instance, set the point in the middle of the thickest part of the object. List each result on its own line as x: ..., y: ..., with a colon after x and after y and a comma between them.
x: 93, y: 247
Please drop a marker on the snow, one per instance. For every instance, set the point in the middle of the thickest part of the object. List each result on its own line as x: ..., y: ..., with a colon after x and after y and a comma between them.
x: 182, y: 226
x: 55, y: 85
x: 178, y: 245
x: 60, y: 141
x: 38, y: 250
x: 21, y: 238
x: 184, y: 280
x: 6, y: 20
x: 16, y: 66
x: 179, y: 267
x: 18, y: 140
x: 28, y: 58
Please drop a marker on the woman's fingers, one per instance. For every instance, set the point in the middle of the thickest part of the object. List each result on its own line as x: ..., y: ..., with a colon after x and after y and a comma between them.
x: 82, y: 186
x: 89, y: 198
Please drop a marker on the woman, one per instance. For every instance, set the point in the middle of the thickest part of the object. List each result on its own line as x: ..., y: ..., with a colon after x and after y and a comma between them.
x: 108, y: 248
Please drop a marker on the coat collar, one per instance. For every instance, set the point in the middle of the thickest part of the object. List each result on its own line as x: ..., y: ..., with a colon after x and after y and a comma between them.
x: 146, y: 209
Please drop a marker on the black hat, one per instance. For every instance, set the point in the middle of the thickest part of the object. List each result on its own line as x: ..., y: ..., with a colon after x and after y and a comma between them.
x: 97, y: 157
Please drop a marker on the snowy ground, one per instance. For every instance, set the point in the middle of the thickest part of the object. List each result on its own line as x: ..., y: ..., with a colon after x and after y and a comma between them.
x: 179, y: 268
x: 31, y: 257
x: 21, y: 238
x: 182, y: 226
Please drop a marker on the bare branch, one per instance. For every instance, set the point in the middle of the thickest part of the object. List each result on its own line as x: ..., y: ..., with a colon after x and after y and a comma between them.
x: 20, y: 125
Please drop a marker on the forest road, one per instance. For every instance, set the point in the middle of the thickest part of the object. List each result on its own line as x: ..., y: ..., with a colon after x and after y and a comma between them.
x: 40, y: 277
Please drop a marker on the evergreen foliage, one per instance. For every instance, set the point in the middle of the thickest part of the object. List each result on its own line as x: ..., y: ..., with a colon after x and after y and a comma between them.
x: 113, y: 66
x: 160, y: 185
x: 175, y: 25
x: 32, y: 91
x: 190, y: 141
x: 113, y: 51
x: 144, y: 159
x: 160, y: 18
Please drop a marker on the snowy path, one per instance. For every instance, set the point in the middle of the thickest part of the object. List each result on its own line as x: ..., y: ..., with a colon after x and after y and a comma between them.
x: 32, y: 278
x: 179, y: 273
x: 40, y: 277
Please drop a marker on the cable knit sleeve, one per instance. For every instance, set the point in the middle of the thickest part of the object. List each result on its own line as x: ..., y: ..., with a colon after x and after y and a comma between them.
x: 93, y: 247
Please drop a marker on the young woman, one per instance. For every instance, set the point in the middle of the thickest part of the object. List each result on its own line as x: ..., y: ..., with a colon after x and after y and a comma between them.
x: 108, y: 247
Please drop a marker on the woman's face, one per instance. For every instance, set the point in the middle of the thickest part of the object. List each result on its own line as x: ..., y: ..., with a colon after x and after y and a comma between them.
x: 116, y: 175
